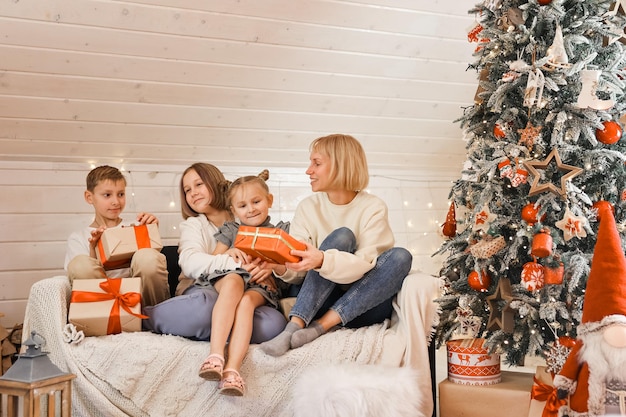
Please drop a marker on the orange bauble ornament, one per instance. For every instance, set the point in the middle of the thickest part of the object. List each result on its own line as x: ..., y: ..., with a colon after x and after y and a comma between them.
x: 553, y: 275
x: 479, y: 282
x: 542, y: 244
x: 611, y: 134
x: 530, y: 214
x: 599, y: 205
x: 449, y: 226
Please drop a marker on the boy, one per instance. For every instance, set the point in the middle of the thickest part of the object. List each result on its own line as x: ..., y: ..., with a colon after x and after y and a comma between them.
x: 106, y: 192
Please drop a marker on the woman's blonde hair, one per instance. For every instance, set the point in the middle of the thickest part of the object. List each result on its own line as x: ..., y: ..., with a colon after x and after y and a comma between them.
x: 249, y: 179
x: 215, y: 182
x: 348, y: 168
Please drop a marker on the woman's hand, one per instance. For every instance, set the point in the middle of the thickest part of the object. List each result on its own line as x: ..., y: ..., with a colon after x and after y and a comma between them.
x: 312, y: 258
x: 146, y: 218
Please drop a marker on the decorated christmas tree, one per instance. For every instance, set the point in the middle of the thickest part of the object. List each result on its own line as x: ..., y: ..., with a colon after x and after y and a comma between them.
x: 543, y: 152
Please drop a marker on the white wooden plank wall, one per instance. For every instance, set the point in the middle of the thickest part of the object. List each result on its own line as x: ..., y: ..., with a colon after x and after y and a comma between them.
x: 43, y: 203
x: 147, y: 80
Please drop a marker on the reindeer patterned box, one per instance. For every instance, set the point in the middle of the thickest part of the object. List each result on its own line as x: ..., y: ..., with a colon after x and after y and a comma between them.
x: 469, y: 363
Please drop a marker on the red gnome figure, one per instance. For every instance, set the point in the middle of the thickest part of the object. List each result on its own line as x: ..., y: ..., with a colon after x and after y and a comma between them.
x: 449, y: 226
x: 594, y: 374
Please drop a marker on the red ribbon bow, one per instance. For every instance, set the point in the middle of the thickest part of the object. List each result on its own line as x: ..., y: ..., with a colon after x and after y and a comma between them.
x: 111, y: 288
x: 547, y: 393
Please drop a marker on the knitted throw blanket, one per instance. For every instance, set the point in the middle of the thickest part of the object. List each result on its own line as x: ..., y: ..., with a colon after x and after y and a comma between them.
x: 145, y: 374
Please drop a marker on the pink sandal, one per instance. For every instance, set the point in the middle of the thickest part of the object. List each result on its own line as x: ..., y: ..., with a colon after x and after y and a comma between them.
x: 212, y: 367
x: 232, y: 384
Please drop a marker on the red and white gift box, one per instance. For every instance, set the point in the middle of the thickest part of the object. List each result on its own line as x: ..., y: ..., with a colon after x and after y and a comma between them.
x: 470, y: 363
x: 117, y: 245
x: 106, y: 306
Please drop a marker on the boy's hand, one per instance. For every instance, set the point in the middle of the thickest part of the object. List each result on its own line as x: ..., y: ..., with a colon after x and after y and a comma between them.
x: 96, y: 234
x: 146, y: 218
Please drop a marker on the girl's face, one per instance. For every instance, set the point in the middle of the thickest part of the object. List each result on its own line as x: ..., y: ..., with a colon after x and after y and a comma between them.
x: 319, y: 172
x: 251, y: 204
x: 197, y: 194
x: 108, y: 199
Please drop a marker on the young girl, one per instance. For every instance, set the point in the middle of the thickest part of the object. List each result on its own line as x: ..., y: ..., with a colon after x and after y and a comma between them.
x: 205, y: 208
x: 240, y: 294
x: 352, y: 278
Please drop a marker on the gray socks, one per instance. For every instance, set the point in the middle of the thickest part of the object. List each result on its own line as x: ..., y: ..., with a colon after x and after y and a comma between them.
x: 281, y: 343
x: 309, y: 334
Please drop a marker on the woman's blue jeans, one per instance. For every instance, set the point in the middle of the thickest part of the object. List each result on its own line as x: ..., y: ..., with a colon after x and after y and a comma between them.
x: 364, y: 302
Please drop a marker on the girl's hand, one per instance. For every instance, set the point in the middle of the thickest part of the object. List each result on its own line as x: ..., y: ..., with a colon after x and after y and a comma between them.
x: 239, y: 256
x: 146, y: 218
x: 278, y: 269
x: 260, y: 275
x: 312, y: 258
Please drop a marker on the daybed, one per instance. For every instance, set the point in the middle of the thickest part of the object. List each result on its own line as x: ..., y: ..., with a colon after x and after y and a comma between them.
x: 146, y: 374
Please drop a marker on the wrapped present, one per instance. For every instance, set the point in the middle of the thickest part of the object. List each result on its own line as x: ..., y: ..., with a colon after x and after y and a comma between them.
x: 470, y: 363
x: 510, y: 398
x: 118, y: 244
x: 106, y: 306
x: 268, y: 243
x: 544, y: 401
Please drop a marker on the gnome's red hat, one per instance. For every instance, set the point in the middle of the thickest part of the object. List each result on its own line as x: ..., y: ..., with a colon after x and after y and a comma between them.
x: 605, y: 296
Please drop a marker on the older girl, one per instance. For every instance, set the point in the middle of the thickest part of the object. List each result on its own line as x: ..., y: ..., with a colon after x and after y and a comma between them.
x: 203, y: 195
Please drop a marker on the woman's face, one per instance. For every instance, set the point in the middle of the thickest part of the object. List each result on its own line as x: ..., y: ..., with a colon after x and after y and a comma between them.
x: 197, y: 194
x: 319, y: 172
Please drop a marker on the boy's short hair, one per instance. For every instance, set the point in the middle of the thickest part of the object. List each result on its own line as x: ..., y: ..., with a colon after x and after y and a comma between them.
x: 214, y: 180
x: 103, y: 173
x: 348, y: 168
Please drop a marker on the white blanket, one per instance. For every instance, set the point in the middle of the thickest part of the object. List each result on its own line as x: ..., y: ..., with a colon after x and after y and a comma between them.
x: 144, y: 374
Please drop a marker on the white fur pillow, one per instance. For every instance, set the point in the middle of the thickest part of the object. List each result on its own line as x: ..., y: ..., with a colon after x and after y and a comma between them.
x: 351, y: 390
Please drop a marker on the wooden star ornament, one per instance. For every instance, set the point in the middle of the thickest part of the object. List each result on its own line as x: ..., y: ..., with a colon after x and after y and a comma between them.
x: 619, y: 34
x: 569, y: 171
x: 529, y: 134
x: 571, y: 225
x: 501, y: 315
